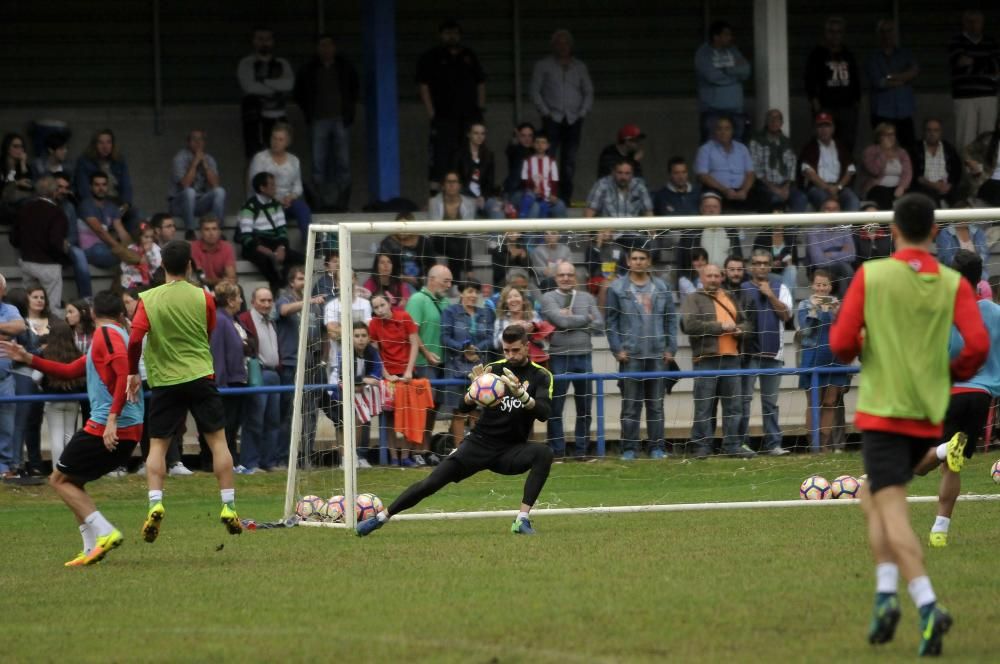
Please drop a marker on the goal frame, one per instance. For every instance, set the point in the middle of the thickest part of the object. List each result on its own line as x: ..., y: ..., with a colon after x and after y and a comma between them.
x: 345, y: 231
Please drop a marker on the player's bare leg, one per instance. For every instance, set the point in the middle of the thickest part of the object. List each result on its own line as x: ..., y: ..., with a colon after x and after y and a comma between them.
x: 99, y: 536
x: 885, y: 615
x: 156, y: 472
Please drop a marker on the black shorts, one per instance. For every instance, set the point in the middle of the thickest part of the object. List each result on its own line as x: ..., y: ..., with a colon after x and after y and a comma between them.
x: 169, y: 405
x: 86, y: 458
x: 472, y: 457
x: 890, y: 457
x: 968, y: 412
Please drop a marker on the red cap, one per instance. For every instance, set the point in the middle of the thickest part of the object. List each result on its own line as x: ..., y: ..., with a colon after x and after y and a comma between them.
x: 630, y: 131
x: 824, y: 118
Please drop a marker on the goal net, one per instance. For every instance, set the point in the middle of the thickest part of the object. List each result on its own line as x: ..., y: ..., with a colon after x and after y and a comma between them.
x: 659, y: 357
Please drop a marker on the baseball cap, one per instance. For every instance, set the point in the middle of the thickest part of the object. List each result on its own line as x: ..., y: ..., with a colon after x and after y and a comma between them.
x: 824, y: 118
x: 630, y: 131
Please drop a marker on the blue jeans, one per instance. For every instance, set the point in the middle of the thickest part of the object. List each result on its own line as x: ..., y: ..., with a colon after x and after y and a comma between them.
x: 532, y: 207
x: 189, y: 204
x: 299, y: 210
x: 81, y: 271
x: 7, y: 414
x: 847, y: 198
x: 331, y: 167
x: 635, y: 393
x: 564, y: 138
x: 725, y: 389
x: 100, y: 255
x: 27, y: 423
x: 262, y: 425
x: 797, y: 201
x: 582, y: 391
x: 769, y: 386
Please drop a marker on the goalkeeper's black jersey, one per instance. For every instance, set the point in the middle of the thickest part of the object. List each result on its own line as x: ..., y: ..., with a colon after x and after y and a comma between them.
x: 510, y: 423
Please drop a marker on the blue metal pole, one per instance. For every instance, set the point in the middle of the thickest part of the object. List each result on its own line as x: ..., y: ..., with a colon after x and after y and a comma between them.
x: 383, y: 440
x: 600, y: 417
x: 381, y: 98
x: 814, y: 409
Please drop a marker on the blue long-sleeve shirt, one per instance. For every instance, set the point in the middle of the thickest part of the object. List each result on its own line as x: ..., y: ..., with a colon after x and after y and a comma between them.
x: 988, y: 376
x: 721, y: 73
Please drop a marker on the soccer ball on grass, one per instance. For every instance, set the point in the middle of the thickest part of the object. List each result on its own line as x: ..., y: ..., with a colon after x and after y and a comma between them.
x: 309, y: 507
x: 487, y: 390
x: 995, y: 472
x: 814, y: 488
x: 366, y: 506
x: 333, y: 509
x: 845, y: 486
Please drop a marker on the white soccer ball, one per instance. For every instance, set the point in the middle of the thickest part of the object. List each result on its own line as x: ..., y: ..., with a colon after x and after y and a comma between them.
x: 995, y: 471
x: 845, y: 486
x: 333, y: 509
x: 366, y: 506
x: 308, y: 507
x: 814, y: 487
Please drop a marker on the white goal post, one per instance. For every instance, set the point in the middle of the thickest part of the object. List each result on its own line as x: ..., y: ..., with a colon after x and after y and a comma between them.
x: 347, y: 230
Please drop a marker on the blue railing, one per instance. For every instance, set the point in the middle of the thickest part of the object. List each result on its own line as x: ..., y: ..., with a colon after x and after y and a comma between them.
x: 599, y: 395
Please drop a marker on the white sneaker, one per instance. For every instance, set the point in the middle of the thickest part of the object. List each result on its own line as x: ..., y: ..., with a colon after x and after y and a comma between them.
x: 363, y: 463
x: 179, y: 470
x: 418, y: 459
x: 778, y: 451
x: 141, y: 472
x: 118, y: 472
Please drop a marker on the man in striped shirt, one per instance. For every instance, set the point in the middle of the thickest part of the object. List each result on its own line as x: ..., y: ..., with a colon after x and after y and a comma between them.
x: 974, y: 60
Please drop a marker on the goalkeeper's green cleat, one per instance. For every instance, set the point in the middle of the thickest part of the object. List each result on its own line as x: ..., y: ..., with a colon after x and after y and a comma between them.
x: 522, y: 527
x: 885, y: 617
x: 956, y: 452
x: 939, y: 540
x: 151, y: 527
x: 935, y: 622
x: 104, y: 545
x: 231, y: 520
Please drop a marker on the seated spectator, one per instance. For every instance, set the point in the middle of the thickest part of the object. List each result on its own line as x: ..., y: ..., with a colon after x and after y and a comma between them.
x: 679, y: 197
x: 467, y: 338
x: 99, y: 216
x: 510, y: 255
x: 230, y: 345
x: 832, y: 248
x: 515, y: 308
x: 724, y: 166
x: 16, y: 177
x: 628, y: 147
x: 78, y: 259
x: 721, y: 70
x: 361, y: 310
x: 284, y: 166
x: 871, y: 240
x: 937, y: 168
x: 620, y: 194
x: 214, y: 256
x: 782, y: 243
x: 140, y: 274
x: 195, y: 188
x: 888, y: 171
x: 545, y: 258
x: 540, y: 178
x: 386, y: 280
x: 774, y: 165
x: 519, y: 148
x: 262, y: 232
x: 414, y: 254
x: 54, y: 160
x: 984, y: 168
x: 40, y: 233
x: 451, y: 205
x: 827, y: 168
x: 970, y: 237
x: 477, y: 170
x: 164, y: 228
x: 690, y: 280
x: 103, y: 156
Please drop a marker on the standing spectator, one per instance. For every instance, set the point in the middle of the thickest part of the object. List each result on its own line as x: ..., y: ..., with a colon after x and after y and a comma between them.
x: 16, y: 177
x: 717, y: 242
x: 833, y: 81
x: 394, y: 335
x: 450, y: 204
x: 103, y: 156
x: 28, y: 420
x: 476, y: 169
x: 467, y: 337
x: 54, y: 161
x: 828, y: 167
x: 327, y: 90
x: 540, y: 179
x: 515, y: 307
x: 291, y: 306
x: 832, y: 248
x: 266, y: 82
x: 230, y: 345
x: 782, y: 243
x: 575, y: 315
x: 545, y: 258
x: 733, y: 275
x: 871, y: 240
x: 642, y: 335
x: 937, y: 168
x: 361, y: 309
x: 679, y: 197
x: 970, y: 237
x: 214, y: 256
x: 890, y: 71
x: 690, y: 280
x: 814, y: 319
x: 425, y: 308
x: 519, y: 148
x: 974, y: 62
x: 452, y: 88
x: 767, y: 304
x: 563, y: 95
x: 100, y: 216
x: 774, y: 165
x: 60, y: 416
x: 40, y: 232
x: 724, y: 165
x: 511, y: 256
x: 386, y: 280
x: 262, y: 423
x: 715, y: 325
x: 888, y: 171
x: 619, y: 195
x: 627, y: 147
x: 11, y: 325
x: 284, y: 166
x: 263, y: 234
x: 721, y: 70
x: 195, y: 188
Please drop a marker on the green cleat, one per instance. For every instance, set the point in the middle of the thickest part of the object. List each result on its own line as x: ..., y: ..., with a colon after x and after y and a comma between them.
x: 231, y: 520
x: 933, y: 626
x: 151, y: 527
x: 79, y: 561
x: 956, y: 452
x: 104, y: 545
x: 939, y: 540
x: 885, y: 617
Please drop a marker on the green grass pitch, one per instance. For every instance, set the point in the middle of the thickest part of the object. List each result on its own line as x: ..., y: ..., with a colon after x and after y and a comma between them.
x: 781, y: 584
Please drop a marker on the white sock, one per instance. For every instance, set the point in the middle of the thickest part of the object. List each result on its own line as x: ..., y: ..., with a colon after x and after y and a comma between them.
x: 941, y: 524
x: 89, y: 538
x: 886, y: 578
x: 382, y: 516
x: 522, y: 515
x: 155, y: 496
x: 942, y: 451
x: 228, y: 495
x: 921, y: 591
x: 98, y: 524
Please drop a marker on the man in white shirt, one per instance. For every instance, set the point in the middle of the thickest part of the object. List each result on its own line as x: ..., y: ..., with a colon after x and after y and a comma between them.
x: 828, y: 168
x: 937, y: 167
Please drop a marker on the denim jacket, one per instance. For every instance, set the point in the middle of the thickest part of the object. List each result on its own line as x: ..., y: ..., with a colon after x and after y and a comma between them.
x: 625, y: 322
x: 814, y: 325
x: 456, y: 330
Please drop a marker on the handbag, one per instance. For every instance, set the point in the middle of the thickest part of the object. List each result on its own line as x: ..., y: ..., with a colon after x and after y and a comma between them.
x: 255, y: 375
